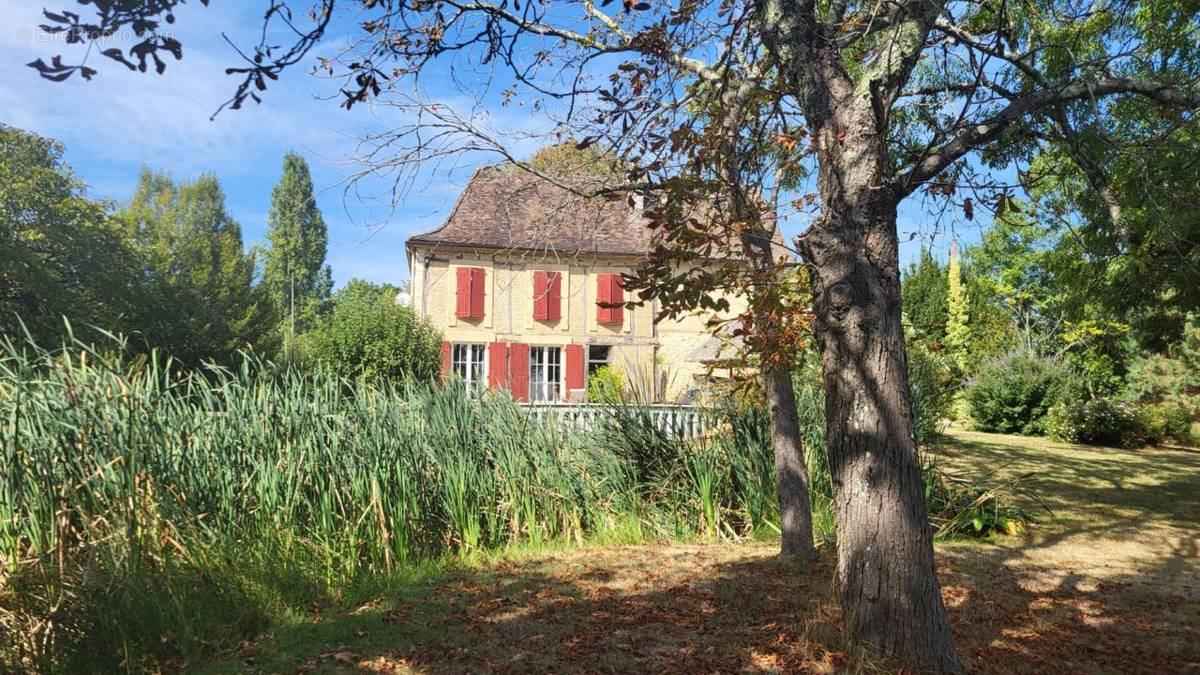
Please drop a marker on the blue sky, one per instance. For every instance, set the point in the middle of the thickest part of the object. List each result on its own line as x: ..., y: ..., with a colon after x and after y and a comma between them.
x: 122, y: 121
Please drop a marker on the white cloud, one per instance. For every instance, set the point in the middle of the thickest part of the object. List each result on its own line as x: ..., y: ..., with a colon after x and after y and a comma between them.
x: 158, y: 120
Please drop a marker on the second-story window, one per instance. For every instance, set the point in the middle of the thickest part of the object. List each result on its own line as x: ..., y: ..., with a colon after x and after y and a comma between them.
x: 547, y: 296
x: 609, y: 293
x: 545, y: 373
x: 470, y: 293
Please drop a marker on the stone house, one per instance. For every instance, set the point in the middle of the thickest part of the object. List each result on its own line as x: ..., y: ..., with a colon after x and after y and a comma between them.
x: 519, y: 279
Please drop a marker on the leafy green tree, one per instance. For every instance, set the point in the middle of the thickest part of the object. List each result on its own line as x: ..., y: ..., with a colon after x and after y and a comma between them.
x: 1125, y: 214
x: 60, y: 254
x: 369, y: 333
x: 1015, y: 259
x: 200, y: 279
x: 295, y: 274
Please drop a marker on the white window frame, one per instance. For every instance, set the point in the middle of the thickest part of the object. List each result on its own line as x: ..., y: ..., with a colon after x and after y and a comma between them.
x: 546, y: 388
x: 462, y: 356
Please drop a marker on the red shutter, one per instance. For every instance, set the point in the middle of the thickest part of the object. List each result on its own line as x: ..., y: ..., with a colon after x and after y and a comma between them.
x: 603, y: 292
x: 518, y: 368
x: 617, y: 294
x: 462, y: 309
x: 541, y: 292
x: 574, y: 368
x: 497, y: 365
x: 609, y: 291
x: 554, y: 296
x: 445, y: 359
x: 478, y: 275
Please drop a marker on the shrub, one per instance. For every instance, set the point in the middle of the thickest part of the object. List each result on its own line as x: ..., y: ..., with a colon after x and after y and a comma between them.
x: 1166, y: 423
x: 368, y: 333
x: 1013, y: 394
x: 930, y: 383
x: 605, y: 385
x: 1096, y: 421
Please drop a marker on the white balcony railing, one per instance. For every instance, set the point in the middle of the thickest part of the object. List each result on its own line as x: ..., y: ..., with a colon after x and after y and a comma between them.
x: 683, y: 421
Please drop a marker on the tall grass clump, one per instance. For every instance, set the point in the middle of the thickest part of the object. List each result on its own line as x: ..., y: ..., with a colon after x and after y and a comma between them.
x: 133, y: 496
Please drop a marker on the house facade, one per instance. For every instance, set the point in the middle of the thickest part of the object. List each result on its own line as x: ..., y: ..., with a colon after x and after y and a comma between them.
x: 524, y: 281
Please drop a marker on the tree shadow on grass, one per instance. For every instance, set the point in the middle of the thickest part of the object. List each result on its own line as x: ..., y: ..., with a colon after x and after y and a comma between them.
x: 1017, y: 618
x: 1124, y: 490
x: 1110, y: 583
x: 633, y: 609
x: 734, y: 609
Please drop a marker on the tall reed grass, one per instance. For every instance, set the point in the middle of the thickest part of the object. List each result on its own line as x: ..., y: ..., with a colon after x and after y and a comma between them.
x: 138, y: 503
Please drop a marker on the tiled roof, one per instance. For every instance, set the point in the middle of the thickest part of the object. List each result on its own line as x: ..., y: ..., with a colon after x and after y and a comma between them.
x: 503, y: 207
x: 506, y: 208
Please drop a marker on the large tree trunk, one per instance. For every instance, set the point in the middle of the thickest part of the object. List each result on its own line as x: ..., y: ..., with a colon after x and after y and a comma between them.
x: 889, y: 588
x: 791, y: 471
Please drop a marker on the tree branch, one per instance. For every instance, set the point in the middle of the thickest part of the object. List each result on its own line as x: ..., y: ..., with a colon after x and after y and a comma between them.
x: 979, y: 134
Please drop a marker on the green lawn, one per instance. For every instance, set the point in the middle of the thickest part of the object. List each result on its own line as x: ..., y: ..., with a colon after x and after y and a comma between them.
x: 1108, y: 583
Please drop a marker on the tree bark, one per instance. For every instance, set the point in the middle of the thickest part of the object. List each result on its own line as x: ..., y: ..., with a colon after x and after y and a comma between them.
x: 791, y: 471
x: 889, y: 589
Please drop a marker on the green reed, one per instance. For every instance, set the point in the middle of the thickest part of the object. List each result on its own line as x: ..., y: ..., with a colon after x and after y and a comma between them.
x: 119, y: 472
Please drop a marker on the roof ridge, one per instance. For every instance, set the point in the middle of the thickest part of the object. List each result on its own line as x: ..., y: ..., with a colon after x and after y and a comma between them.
x: 502, y: 207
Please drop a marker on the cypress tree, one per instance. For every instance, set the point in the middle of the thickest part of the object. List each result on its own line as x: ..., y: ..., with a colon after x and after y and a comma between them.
x: 958, y: 334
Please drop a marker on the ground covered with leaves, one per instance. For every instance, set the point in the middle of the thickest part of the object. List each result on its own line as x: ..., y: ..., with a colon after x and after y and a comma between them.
x: 1110, y: 582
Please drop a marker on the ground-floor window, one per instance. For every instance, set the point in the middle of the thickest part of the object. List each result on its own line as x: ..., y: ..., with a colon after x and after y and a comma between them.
x: 598, y: 357
x: 469, y: 362
x: 545, y: 373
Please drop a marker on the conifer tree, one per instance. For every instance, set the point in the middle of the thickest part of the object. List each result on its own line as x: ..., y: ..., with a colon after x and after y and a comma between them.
x: 295, y: 274
x: 958, y: 334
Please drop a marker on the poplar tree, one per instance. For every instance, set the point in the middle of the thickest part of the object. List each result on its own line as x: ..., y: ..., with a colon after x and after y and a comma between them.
x: 295, y: 275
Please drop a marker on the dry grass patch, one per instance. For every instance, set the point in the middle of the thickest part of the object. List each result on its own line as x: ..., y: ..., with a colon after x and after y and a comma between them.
x: 653, y: 608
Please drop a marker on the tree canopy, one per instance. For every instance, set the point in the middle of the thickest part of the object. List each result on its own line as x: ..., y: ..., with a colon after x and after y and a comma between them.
x: 206, y: 305
x: 60, y: 254
x: 369, y: 333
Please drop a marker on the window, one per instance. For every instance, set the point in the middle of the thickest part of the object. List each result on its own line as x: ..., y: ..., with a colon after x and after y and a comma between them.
x: 609, y: 294
x: 469, y: 362
x: 598, y: 357
x: 470, y: 293
x: 547, y: 296
x: 545, y: 373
